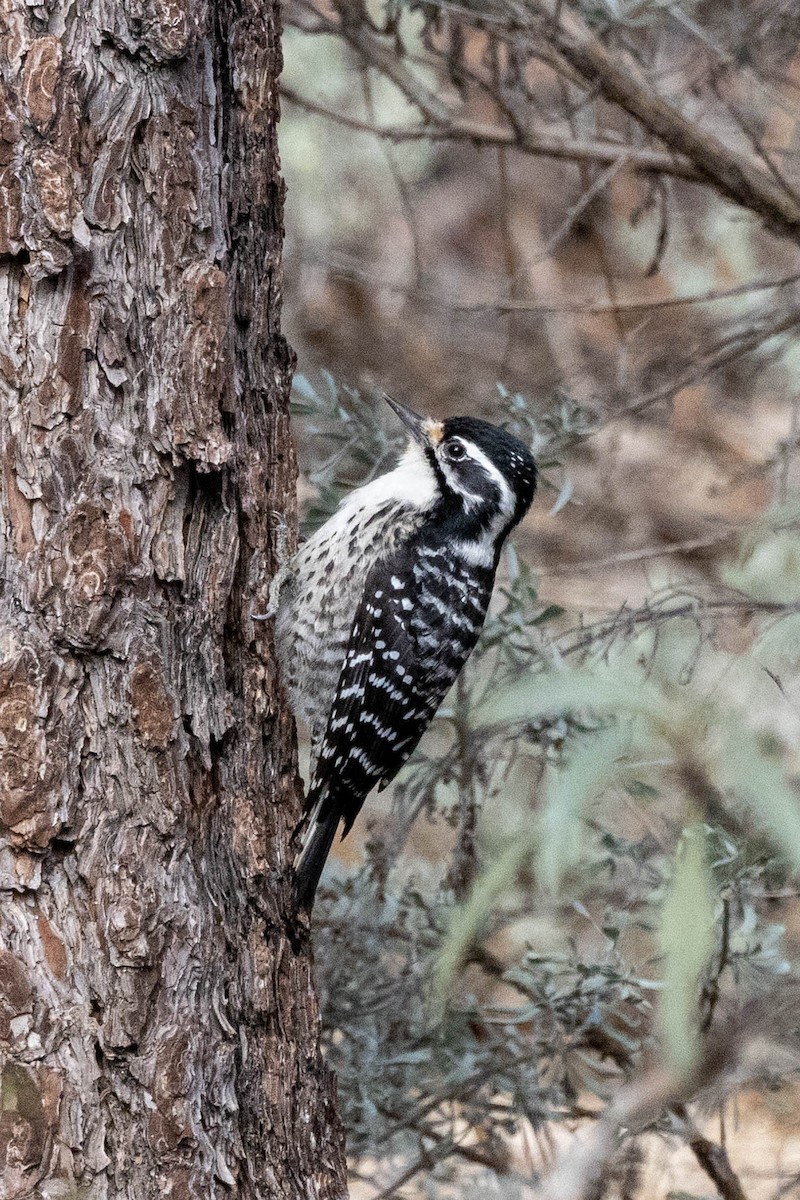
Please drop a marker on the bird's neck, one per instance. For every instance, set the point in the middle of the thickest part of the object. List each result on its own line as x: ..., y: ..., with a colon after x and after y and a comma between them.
x: 476, y: 534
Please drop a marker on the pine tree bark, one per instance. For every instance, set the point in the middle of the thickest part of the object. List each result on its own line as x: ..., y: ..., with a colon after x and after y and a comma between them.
x: 158, y: 1025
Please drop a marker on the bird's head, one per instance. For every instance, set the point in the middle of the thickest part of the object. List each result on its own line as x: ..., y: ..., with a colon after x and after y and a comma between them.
x: 483, y: 472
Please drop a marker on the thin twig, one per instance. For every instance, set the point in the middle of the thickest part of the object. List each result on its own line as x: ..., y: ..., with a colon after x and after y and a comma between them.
x: 628, y: 620
x: 547, y: 307
x: 630, y: 556
x: 425, y: 1161
x: 600, y: 308
x: 450, y: 127
x: 403, y: 190
x: 712, y: 1158
x: 727, y: 351
x: 579, y: 207
x: 462, y: 871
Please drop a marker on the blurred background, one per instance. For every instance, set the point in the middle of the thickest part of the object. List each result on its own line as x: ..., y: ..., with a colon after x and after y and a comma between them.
x: 560, y: 952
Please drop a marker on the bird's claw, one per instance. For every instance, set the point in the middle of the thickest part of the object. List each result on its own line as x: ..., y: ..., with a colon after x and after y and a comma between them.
x: 283, y: 557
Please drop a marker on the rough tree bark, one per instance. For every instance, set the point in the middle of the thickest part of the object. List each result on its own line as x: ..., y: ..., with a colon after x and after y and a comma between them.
x: 159, y: 1030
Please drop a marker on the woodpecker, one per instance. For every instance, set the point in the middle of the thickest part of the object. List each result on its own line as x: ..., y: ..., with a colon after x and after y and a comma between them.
x: 382, y: 606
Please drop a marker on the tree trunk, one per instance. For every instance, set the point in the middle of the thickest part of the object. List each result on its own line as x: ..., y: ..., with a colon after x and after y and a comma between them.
x: 158, y: 1022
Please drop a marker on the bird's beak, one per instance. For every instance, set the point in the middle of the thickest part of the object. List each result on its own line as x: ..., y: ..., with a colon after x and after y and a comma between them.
x: 422, y: 429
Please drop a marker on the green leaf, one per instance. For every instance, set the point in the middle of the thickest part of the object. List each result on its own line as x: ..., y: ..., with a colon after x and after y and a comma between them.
x: 604, y: 690
x: 741, y: 765
x: 569, y: 789
x: 548, y: 614
x: 563, y: 498
x: 640, y: 790
x: 687, y: 939
x: 469, y: 918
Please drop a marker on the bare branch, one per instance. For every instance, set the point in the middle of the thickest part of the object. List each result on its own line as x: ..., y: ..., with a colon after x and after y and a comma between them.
x: 451, y: 127
x: 579, y: 307
x: 712, y: 1158
x: 626, y: 621
x: 728, y: 350
x: 695, y: 153
x: 649, y: 552
x: 601, y: 308
x: 386, y: 60
x: 730, y: 172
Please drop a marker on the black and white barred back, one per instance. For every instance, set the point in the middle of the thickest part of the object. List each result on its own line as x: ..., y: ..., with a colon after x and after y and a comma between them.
x: 384, y: 606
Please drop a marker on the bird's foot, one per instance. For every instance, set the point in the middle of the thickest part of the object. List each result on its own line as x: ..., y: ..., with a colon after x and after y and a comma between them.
x: 283, y: 557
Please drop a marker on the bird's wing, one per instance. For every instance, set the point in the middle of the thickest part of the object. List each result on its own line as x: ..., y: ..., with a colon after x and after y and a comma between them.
x: 417, y: 622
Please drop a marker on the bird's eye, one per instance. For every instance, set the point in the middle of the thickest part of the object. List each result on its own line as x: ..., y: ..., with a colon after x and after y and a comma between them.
x: 454, y: 451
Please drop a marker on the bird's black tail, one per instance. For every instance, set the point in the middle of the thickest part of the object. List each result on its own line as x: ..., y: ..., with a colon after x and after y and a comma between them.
x: 311, y: 859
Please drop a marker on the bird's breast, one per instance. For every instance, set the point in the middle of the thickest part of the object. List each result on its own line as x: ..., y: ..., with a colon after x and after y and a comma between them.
x: 326, y: 583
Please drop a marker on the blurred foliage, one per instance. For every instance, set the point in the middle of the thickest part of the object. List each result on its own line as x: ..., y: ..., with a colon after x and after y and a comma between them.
x: 349, y: 435
x: 586, y: 883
